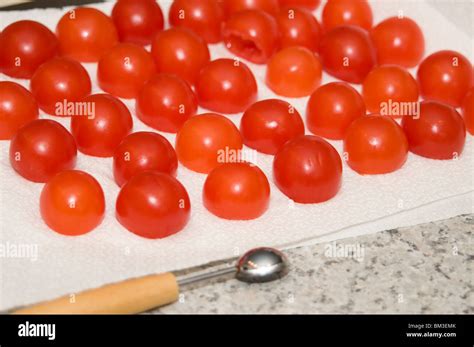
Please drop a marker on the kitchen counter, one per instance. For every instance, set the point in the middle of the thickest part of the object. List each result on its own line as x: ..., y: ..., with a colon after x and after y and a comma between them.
x: 427, y: 268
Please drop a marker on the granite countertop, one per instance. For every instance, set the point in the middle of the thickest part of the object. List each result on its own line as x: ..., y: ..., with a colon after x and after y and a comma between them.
x: 427, y: 268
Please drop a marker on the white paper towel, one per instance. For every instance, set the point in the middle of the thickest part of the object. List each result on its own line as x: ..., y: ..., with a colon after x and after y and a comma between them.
x: 422, y: 190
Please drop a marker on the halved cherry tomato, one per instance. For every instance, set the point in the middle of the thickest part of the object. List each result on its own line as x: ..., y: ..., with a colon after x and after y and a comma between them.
x: 308, y: 170
x: 153, y: 205
x: 332, y: 108
x: 308, y: 4
x: 294, y: 72
x: 268, y: 124
x: 143, y: 151
x: 59, y: 81
x: 236, y: 191
x: 85, y: 34
x: 137, y: 21
x: 468, y: 111
x: 437, y: 133
x: 375, y: 144
x: 234, y: 6
x: 41, y: 149
x: 18, y: 107
x: 72, y: 203
x: 227, y: 86
x: 347, y: 12
x: 25, y: 45
x: 207, y: 140
x: 165, y: 102
x: 124, y: 69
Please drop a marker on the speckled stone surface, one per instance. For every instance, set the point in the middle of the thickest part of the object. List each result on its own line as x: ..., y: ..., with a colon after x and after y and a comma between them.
x: 423, y: 269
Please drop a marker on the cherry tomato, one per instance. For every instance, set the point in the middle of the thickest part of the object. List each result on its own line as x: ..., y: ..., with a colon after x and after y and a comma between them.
x: 252, y: 35
x: 227, y: 86
x: 294, y: 72
x: 143, y: 151
x: 100, y: 132
x: 236, y: 191
x: 468, y: 111
x: 308, y: 170
x: 124, y: 69
x: 389, y: 85
x: 438, y: 133
x: 268, y: 124
x: 347, y: 12
x: 206, y: 141
x: 298, y: 27
x: 41, y: 149
x: 204, y: 17
x: 234, y: 6
x: 308, y: 4
x: 25, y: 45
x: 85, y: 34
x: 347, y: 53
x: 153, y: 205
x: 398, y: 41
x: 72, y: 203
x: 17, y: 108
x: 59, y: 81
x: 332, y: 108
x: 137, y: 21
x: 180, y: 51
x: 445, y: 76
x: 375, y: 144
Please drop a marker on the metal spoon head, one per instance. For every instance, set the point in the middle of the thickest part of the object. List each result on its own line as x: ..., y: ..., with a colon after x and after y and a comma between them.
x: 262, y: 265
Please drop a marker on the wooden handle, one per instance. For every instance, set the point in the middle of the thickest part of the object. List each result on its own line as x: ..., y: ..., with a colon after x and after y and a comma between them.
x: 130, y: 296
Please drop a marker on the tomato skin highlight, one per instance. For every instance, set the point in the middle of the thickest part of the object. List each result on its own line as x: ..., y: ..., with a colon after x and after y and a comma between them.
x: 30, y: 42
x: 41, y: 149
x: 438, y: 133
x: 308, y: 170
x: 468, y: 111
x: 307, y: 4
x: 347, y: 12
x: 72, y: 203
x: 18, y: 107
x: 375, y: 144
x: 226, y: 86
x: 332, y: 108
x: 137, y: 21
x: 153, y: 205
x: 234, y: 6
x: 143, y: 151
x: 85, y: 34
x: 268, y: 124
x: 236, y: 191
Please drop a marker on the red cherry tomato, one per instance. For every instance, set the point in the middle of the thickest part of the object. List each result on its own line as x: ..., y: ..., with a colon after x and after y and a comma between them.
x: 124, y: 69
x: 308, y: 170
x: 234, y: 6
x: 375, y: 144
x: 298, y: 27
x: 445, y: 76
x: 59, y: 81
x: 153, y: 205
x: 468, y: 111
x: 206, y: 141
x: 85, y: 34
x: 294, y: 72
x: 165, y: 102
x: 227, y: 86
x: 25, y: 45
x: 389, y: 85
x: 252, y: 35
x: 268, y: 124
x: 17, y: 108
x: 204, y: 17
x: 41, y: 149
x: 332, y: 108
x: 137, y: 21
x: 398, y: 41
x: 72, y: 203
x: 347, y: 12
x: 438, y: 133
x: 308, y: 4
x: 236, y: 191
x: 100, y: 133
x: 180, y: 51
x: 143, y: 151
x: 347, y: 53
